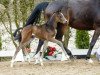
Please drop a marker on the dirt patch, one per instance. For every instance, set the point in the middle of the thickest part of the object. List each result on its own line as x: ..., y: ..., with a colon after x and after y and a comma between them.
x: 78, y: 67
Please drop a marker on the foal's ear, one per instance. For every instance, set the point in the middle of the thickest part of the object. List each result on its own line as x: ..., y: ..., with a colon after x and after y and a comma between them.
x: 58, y: 11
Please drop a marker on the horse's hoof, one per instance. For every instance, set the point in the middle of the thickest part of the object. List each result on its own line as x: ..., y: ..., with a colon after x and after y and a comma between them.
x: 11, y: 66
x: 90, y: 61
x: 37, y: 62
x: 65, y: 57
x: 12, y: 62
x: 41, y: 64
x: 72, y: 58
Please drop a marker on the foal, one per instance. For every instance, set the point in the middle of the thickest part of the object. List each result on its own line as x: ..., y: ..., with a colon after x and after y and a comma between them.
x: 42, y: 32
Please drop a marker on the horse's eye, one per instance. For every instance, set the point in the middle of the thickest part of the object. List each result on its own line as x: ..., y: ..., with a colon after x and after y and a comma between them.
x: 60, y: 16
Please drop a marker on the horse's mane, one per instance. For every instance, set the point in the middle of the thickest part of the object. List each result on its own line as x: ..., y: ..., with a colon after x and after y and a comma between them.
x: 50, y: 22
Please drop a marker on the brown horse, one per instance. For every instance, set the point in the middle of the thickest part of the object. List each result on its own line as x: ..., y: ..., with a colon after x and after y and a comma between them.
x: 42, y: 32
x: 81, y: 14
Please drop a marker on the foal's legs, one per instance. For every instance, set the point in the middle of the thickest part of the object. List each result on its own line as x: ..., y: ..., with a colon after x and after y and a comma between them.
x: 37, y: 54
x: 44, y: 49
x: 38, y: 58
x: 26, y: 39
x: 16, y: 52
x: 39, y: 46
x: 60, y: 44
x: 94, y: 39
x: 60, y: 32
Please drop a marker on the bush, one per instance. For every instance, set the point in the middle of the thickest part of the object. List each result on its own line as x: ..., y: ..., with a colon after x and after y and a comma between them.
x: 82, y: 39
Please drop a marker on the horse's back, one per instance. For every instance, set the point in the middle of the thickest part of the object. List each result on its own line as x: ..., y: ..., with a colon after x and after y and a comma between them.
x: 86, y: 12
x: 54, y: 6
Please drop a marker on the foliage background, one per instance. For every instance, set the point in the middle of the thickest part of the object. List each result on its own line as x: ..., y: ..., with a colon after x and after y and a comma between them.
x: 82, y: 39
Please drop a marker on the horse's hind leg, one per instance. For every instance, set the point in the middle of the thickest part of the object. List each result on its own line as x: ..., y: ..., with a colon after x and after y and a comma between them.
x: 13, y: 58
x: 94, y: 39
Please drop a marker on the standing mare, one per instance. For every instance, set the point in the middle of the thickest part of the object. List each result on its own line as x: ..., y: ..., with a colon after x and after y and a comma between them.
x: 42, y: 32
x: 81, y: 14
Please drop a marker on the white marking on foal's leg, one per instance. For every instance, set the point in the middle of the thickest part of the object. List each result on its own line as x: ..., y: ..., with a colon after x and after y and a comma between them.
x: 28, y: 58
x: 36, y: 61
x: 41, y: 61
x: 37, y: 58
x: 12, y: 63
x: 44, y: 49
x: 64, y: 57
x: 90, y: 61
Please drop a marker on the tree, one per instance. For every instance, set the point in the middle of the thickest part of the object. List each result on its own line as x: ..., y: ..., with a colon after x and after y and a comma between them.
x: 16, y: 11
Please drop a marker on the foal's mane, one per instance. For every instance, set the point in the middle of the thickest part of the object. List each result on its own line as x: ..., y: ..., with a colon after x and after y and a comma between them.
x: 51, y: 22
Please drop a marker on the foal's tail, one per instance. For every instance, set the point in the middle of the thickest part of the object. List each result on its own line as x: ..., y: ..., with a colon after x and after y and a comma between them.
x: 36, y: 13
x: 17, y: 36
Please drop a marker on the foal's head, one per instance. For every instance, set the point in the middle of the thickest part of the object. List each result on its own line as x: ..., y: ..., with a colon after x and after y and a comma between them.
x: 57, y: 17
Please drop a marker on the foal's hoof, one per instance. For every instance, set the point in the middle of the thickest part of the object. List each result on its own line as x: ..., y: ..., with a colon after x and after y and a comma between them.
x: 11, y: 65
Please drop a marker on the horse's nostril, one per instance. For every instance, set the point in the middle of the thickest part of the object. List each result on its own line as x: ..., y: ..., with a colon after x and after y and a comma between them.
x: 65, y: 22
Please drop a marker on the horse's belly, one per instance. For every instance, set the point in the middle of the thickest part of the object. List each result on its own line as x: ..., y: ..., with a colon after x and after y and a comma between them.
x: 81, y: 26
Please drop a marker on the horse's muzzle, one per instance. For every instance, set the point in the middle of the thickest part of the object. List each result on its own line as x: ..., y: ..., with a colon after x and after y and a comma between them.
x: 65, y: 22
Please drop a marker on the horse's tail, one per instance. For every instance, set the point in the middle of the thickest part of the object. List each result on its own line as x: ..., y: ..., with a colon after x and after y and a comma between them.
x: 36, y: 13
x: 17, y: 36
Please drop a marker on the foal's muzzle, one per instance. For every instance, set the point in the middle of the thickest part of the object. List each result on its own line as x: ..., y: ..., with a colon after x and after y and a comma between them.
x: 65, y: 22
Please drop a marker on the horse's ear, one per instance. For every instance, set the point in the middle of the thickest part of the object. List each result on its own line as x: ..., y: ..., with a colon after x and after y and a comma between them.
x: 59, y: 11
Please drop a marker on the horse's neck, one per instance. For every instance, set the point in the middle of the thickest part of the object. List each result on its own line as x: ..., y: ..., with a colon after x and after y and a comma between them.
x: 52, y: 22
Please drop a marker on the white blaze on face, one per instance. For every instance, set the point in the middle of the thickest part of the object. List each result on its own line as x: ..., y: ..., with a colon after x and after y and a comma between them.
x: 63, y: 18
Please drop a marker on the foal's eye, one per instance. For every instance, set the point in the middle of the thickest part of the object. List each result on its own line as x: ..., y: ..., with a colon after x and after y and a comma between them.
x: 60, y: 16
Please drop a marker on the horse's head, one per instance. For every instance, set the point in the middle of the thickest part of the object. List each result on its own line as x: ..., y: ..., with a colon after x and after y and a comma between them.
x: 55, y: 18
x: 59, y: 17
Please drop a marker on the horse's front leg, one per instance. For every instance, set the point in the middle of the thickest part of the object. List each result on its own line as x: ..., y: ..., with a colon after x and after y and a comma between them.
x: 39, y: 46
x: 61, y: 45
x: 44, y: 49
x: 37, y: 53
x: 37, y: 58
x: 93, y: 41
x: 26, y: 53
x: 61, y: 30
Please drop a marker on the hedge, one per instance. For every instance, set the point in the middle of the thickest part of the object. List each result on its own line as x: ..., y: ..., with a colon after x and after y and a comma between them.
x: 82, y: 39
